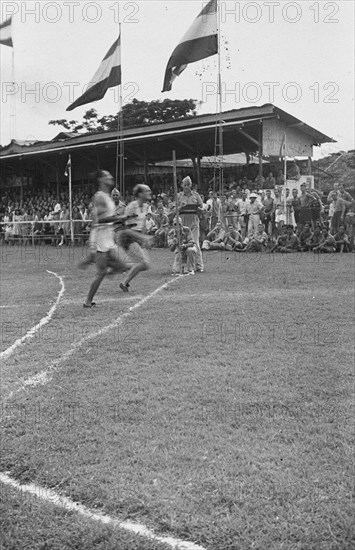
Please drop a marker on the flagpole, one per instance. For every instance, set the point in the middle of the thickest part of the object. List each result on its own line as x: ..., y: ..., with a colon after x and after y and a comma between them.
x: 285, y: 176
x: 13, y: 130
x: 70, y: 201
x: 120, y: 145
x: 176, y: 206
x: 220, y: 98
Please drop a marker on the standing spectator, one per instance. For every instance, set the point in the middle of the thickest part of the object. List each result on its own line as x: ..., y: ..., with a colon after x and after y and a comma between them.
x: 268, y: 203
x: 340, y: 207
x: 270, y: 181
x: 305, y: 210
x: 214, y: 206
x: 162, y: 223
x: 242, y: 210
x: 232, y: 209
x: 185, y: 198
x: 254, y: 210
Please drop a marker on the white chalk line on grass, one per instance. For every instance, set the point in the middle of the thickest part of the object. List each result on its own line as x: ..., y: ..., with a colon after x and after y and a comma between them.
x: 47, y: 495
x: 31, y: 333
x: 43, y: 377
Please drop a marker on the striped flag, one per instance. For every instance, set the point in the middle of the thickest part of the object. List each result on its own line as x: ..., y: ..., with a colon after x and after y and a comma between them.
x: 107, y: 76
x: 200, y: 41
x: 5, y: 33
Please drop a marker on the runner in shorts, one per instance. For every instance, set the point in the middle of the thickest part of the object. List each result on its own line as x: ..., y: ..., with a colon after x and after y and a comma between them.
x: 107, y: 255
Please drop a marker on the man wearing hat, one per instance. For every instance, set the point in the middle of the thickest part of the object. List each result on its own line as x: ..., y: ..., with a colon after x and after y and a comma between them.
x: 254, y: 210
x: 120, y: 206
x: 189, y: 198
x: 186, y: 254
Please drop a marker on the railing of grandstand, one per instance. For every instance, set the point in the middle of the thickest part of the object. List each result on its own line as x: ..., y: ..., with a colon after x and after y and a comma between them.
x: 31, y: 235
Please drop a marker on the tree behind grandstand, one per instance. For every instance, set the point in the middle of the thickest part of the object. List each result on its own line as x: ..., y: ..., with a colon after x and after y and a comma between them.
x: 137, y: 113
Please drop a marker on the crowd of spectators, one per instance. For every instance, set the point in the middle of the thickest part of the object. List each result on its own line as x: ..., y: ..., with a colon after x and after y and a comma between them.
x: 245, y: 217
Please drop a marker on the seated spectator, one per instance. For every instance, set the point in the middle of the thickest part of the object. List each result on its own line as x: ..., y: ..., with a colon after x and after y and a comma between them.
x: 258, y: 242
x: 304, y: 234
x: 215, y: 238
x: 162, y: 223
x: 186, y: 254
x: 150, y: 226
x: 341, y: 238
x: 280, y: 241
x: 233, y: 239
x: 290, y: 244
x: 328, y: 245
x: 315, y: 239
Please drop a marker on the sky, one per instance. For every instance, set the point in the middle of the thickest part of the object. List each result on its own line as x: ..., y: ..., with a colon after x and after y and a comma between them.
x: 305, y: 48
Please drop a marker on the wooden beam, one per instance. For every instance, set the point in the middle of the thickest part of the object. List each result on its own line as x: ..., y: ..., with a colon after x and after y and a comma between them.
x: 185, y: 145
x: 246, y: 135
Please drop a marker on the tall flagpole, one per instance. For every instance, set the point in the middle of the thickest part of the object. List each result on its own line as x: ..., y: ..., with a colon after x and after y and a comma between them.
x: 177, y: 215
x: 285, y: 175
x: 220, y: 129
x: 13, y: 130
x: 70, y: 201
x: 120, y: 144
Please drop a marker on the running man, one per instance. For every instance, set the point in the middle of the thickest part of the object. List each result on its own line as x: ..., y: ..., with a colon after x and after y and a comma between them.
x: 107, y: 255
x: 135, y: 241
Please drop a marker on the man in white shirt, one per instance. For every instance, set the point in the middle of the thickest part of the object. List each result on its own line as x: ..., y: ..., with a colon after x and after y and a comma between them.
x: 107, y: 255
x: 135, y: 241
x: 242, y: 211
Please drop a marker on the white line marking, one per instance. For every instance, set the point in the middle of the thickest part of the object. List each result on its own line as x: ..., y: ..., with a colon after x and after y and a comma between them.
x: 106, y: 300
x: 30, y: 334
x: 66, y: 503
x: 43, y: 377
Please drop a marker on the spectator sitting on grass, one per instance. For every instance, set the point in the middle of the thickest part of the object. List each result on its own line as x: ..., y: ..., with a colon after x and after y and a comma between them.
x: 328, y: 246
x: 186, y: 254
x: 258, y: 241
x: 280, y: 241
x: 341, y: 240
x: 150, y: 226
x: 162, y: 223
x: 316, y: 239
x: 304, y: 234
x: 233, y: 239
x: 291, y: 243
x: 215, y: 238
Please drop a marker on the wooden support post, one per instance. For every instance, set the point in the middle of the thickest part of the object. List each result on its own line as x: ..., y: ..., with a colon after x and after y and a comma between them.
x: 260, y: 153
x: 199, y: 175
x: 309, y: 166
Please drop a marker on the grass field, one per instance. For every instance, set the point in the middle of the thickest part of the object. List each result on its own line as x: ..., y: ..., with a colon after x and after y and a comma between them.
x: 219, y: 411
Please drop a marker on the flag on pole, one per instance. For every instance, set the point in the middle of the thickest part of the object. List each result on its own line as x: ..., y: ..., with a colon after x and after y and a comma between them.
x: 200, y: 41
x: 68, y: 167
x: 6, y: 33
x: 107, y: 76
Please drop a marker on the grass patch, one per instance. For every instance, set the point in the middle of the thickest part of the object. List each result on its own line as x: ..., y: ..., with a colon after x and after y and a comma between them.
x: 220, y: 412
